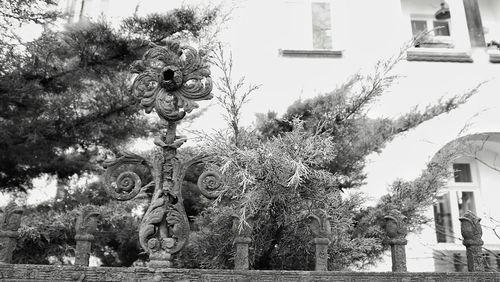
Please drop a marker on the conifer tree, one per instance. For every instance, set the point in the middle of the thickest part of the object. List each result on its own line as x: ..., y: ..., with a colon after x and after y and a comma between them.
x: 288, y: 167
x: 64, y: 98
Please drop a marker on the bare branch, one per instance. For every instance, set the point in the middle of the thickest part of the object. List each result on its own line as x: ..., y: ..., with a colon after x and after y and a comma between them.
x: 231, y: 95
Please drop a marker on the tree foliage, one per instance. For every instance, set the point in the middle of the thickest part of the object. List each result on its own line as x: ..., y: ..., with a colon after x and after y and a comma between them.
x: 65, y: 102
x: 48, y: 230
x: 14, y: 14
x: 157, y: 27
x: 64, y: 106
x: 231, y: 95
x: 289, y: 167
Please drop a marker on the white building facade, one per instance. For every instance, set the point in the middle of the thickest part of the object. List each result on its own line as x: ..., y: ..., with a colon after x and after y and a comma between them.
x: 302, y: 48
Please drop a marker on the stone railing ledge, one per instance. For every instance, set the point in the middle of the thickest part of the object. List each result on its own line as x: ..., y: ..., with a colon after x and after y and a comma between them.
x: 52, y: 273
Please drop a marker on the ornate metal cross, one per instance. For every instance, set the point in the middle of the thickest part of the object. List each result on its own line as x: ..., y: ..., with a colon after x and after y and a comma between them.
x: 170, y: 80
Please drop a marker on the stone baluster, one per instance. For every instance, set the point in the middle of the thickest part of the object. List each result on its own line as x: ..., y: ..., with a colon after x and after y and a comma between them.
x: 242, y: 242
x: 9, y: 224
x: 86, y: 226
x: 319, y: 223
x: 472, y: 232
x: 396, y: 230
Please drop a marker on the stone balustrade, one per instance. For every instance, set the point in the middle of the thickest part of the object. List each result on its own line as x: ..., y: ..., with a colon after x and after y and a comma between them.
x: 319, y: 224
x: 396, y: 230
x: 243, y: 231
x: 472, y: 232
x: 86, y: 226
x: 9, y: 224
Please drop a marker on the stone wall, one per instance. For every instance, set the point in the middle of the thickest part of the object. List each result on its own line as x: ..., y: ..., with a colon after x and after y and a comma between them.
x: 20, y: 272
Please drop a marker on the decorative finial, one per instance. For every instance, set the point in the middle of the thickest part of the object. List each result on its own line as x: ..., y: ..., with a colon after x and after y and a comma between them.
x: 319, y: 223
x: 87, y: 221
x: 10, y: 222
x: 171, y: 78
x: 395, y: 225
x: 471, y: 228
x: 11, y: 217
x: 472, y: 232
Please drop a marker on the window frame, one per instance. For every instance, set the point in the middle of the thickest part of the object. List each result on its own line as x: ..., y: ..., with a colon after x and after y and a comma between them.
x: 469, y: 173
x: 435, y: 207
x: 474, y: 173
x: 430, y: 19
x: 452, y: 188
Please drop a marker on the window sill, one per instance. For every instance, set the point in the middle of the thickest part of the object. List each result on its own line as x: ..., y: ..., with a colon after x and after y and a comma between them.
x: 311, y: 53
x: 443, y: 44
x: 438, y: 55
x: 494, y: 56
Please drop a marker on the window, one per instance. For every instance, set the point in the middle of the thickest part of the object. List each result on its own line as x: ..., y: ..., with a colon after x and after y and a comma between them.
x: 308, y: 29
x: 461, y: 197
x: 465, y: 202
x: 436, y: 33
x: 462, y: 172
x: 321, y: 25
x: 443, y: 219
x: 441, y: 28
x: 422, y: 24
x: 418, y: 27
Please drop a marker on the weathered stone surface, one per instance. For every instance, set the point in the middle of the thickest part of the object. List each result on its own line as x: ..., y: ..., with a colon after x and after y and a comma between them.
x: 396, y: 230
x: 320, y: 227
x: 20, y: 272
x: 86, y: 226
x: 9, y: 223
x: 241, y: 255
x: 321, y: 253
x: 242, y: 240
x: 472, y: 232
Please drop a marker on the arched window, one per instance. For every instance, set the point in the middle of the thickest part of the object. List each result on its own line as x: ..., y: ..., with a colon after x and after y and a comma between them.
x: 459, y: 197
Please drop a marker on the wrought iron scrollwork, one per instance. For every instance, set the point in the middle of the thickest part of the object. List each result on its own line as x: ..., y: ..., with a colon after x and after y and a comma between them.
x: 210, y: 183
x: 125, y: 176
x: 170, y: 80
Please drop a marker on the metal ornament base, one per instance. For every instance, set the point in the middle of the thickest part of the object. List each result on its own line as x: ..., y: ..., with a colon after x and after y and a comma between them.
x: 160, y: 260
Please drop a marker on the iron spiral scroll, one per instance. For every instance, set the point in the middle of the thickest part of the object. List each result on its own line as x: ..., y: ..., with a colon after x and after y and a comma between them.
x: 170, y: 80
